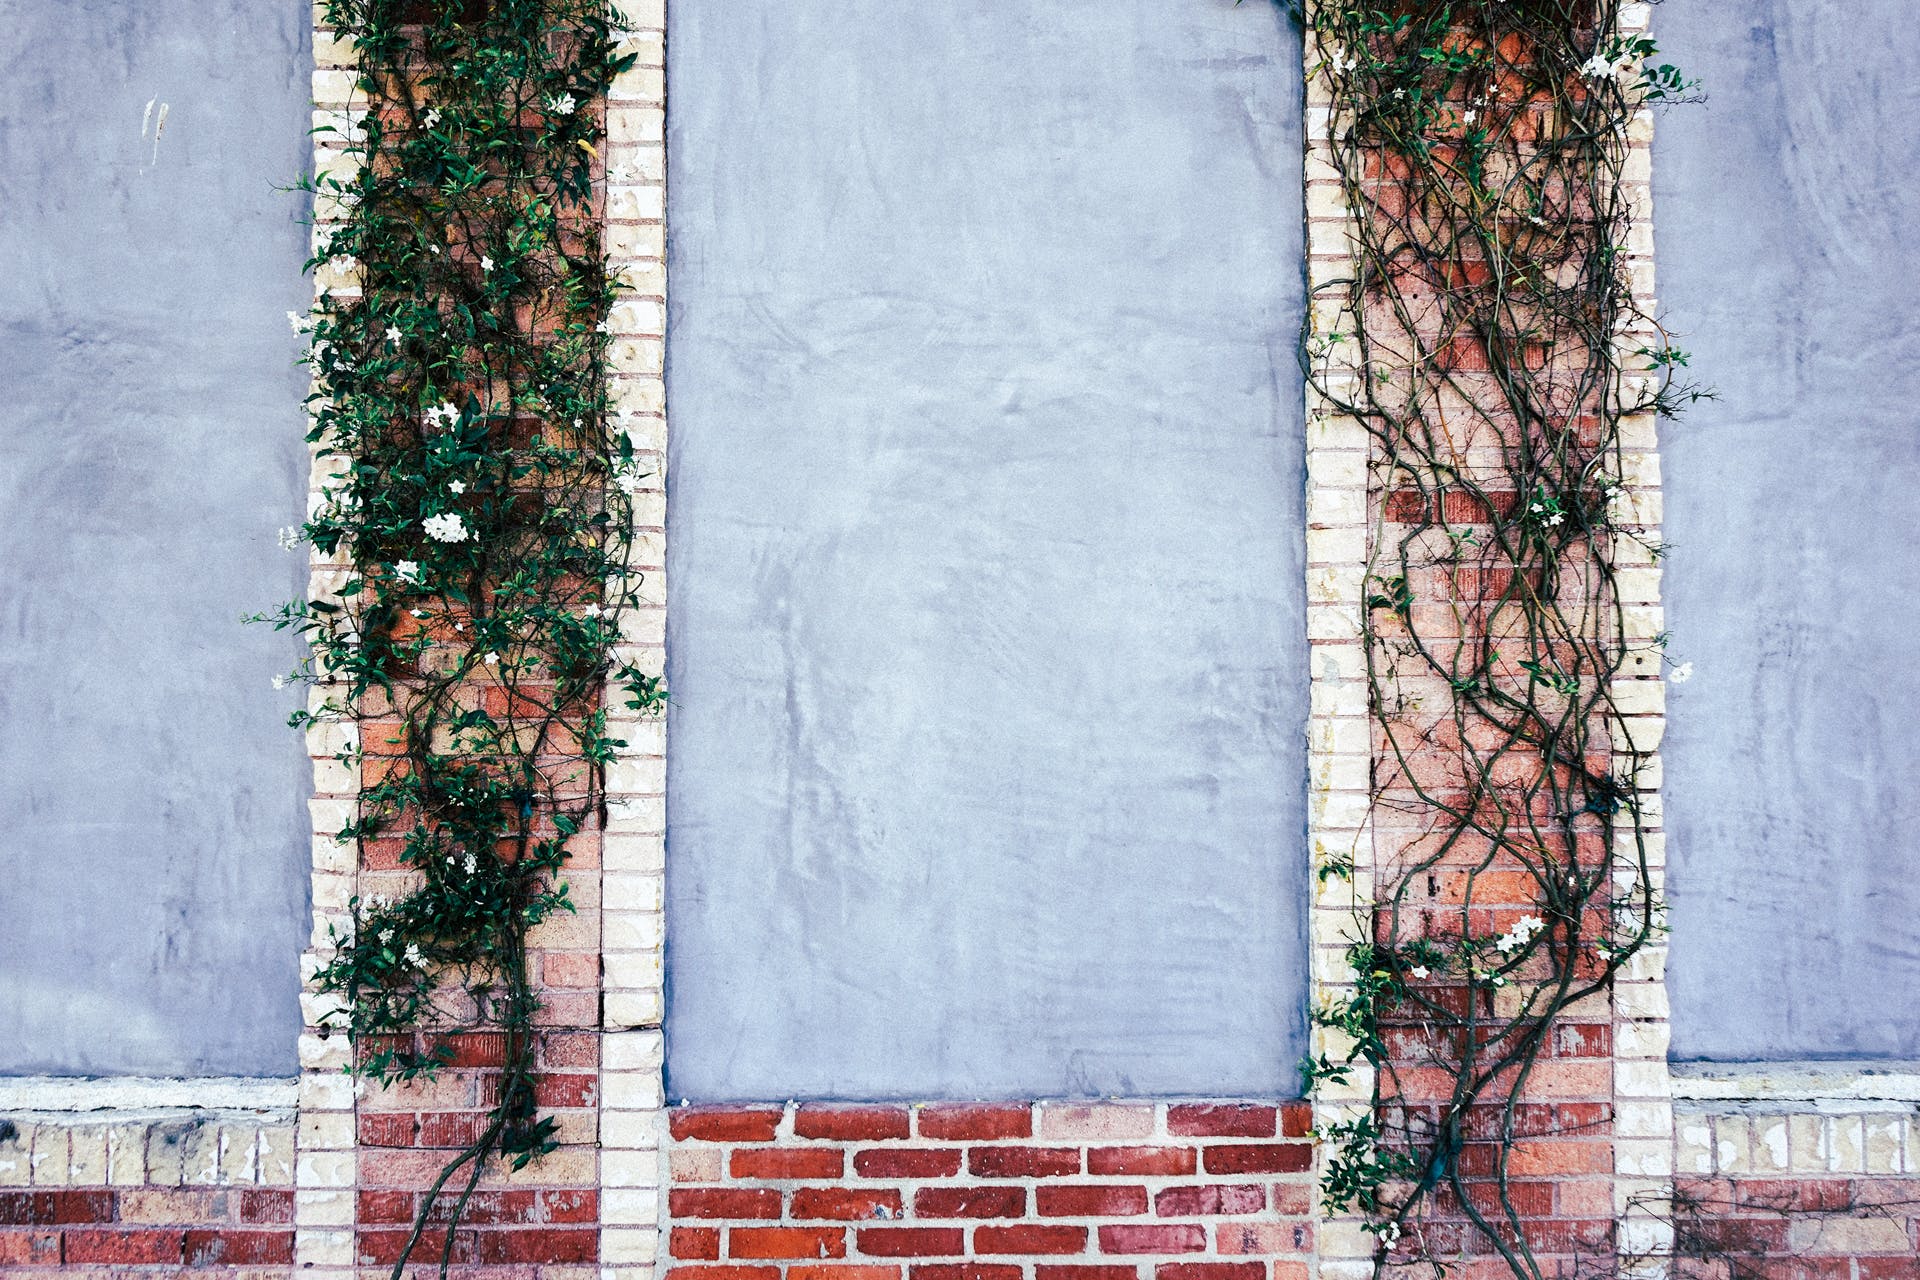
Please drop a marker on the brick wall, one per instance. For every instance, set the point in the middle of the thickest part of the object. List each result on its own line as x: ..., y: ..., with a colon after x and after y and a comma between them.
x: 106, y: 1194
x: 942, y: 1191
x: 1829, y: 1192
x: 992, y: 1191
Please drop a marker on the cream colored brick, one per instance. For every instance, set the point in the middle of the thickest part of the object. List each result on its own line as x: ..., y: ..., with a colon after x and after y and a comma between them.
x: 1693, y: 1152
x: 635, y: 355
x: 1732, y: 1144
x: 640, y: 1008
x: 323, y: 1248
x: 323, y: 1208
x: 629, y: 1244
x: 1830, y: 1235
x: 629, y: 1130
x: 16, y: 1153
x: 1886, y: 1144
x: 127, y: 1155
x: 635, y: 124
x: 51, y: 1149
x: 649, y: 48
x: 87, y: 1156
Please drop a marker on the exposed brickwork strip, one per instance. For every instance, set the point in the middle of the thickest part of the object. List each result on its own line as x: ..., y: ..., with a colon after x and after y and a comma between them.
x: 195, y: 1192
x: 992, y: 1191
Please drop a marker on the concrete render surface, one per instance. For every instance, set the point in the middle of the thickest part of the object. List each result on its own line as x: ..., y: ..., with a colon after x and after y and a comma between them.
x: 153, y: 832
x: 986, y: 615
x: 1785, y: 214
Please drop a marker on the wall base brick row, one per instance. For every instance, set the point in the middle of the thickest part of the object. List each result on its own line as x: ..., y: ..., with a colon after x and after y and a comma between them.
x: 991, y: 1191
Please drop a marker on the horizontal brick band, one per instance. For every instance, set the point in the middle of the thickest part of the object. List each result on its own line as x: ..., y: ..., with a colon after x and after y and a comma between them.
x: 991, y: 1191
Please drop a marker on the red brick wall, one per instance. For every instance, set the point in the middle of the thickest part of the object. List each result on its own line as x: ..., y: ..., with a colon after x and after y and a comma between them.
x: 992, y: 1191
x: 242, y: 1233
x: 547, y: 1213
x: 1798, y: 1228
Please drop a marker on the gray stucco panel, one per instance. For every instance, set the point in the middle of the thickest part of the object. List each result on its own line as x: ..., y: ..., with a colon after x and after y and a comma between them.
x: 986, y: 637
x: 153, y: 848
x: 1787, y: 210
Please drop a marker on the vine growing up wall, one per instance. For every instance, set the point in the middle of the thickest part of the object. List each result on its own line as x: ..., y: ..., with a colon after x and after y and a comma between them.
x: 480, y: 492
x: 1489, y: 341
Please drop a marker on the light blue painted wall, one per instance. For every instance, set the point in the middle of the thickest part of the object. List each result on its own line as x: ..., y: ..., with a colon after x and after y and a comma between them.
x: 153, y: 848
x: 985, y: 590
x: 1788, y: 214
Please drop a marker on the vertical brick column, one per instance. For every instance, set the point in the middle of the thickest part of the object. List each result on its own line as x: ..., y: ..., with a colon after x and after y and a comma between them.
x: 326, y: 1166
x: 368, y: 1155
x: 1340, y: 727
x: 1643, y: 1106
x: 1593, y: 1131
x: 632, y: 978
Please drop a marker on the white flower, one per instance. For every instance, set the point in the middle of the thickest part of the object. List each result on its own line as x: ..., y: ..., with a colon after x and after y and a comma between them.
x: 493, y: 659
x: 1522, y: 932
x: 1554, y: 519
x: 279, y: 682
x: 1470, y: 115
x: 486, y: 263
x: 1597, y: 68
x: 602, y: 327
x: 408, y: 569
x: 289, y: 538
x: 418, y: 613
x: 433, y: 117
x: 1418, y: 971
x: 297, y: 320
x: 1682, y: 673
x: 446, y: 413
x: 446, y: 527
x: 433, y: 248
x: 393, y: 333
x: 413, y: 955
x: 386, y: 935
x: 563, y: 105
x: 458, y: 486
x: 594, y: 611
x: 470, y: 865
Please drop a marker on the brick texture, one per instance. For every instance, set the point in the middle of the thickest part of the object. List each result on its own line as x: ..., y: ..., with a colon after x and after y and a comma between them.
x: 991, y: 1191
x: 189, y: 1194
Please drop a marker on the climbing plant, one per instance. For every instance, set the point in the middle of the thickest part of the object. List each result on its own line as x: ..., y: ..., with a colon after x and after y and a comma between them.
x: 1489, y: 340
x: 479, y: 488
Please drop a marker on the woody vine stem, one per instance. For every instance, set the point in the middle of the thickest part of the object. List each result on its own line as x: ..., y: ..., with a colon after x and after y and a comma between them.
x: 480, y: 491
x: 1489, y: 342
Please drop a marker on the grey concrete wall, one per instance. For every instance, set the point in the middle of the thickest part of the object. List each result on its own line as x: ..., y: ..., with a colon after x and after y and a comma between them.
x: 152, y: 847
x: 985, y: 589
x: 1787, y: 210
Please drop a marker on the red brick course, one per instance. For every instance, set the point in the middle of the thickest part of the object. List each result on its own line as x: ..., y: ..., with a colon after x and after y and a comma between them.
x: 991, y: 1191
x: 1801, y: 1228
x: 74, y: 1231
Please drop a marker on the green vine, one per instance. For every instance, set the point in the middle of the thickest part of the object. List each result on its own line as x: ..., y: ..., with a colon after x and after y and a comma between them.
x: 1489, y: 342
x: 481, y: 493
